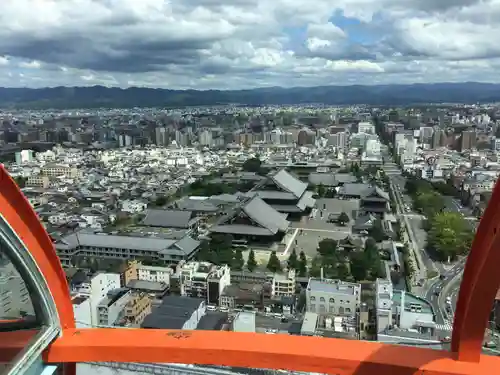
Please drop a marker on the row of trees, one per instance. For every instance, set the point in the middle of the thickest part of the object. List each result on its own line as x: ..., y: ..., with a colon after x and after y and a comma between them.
x: 299, y: 264
x: 346, y: 263
x: 449, y: 234
x: 426, y: 200
x: 219, y: 250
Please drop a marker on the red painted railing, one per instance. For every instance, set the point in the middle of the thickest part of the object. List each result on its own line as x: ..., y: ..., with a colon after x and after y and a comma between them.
x: 313, y: 354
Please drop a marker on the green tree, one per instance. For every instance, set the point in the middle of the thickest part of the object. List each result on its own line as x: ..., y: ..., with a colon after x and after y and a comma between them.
x: 377, y: 231
x: 252, y: 165
x: 238, y: 261
x: 329, y: 264
x: 321, y: 190
x: 302, y: 267
x: 274, y: 264
x: 315, y: 270
x: 221, y: 245
x: 449, y: 236
x: 342, y: 271
x: 20, y: 181
x: 293, y: 262
x: 204, y: 253
x: 343, y: 218
x: 429, y: 203
x: 327, y: 247
x: 251, y: 262
x: 359, y: 268
x: 371, y: 245
x: 160, y: 201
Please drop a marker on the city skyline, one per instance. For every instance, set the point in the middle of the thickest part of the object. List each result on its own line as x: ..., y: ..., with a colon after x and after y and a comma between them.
x: 205, y: 44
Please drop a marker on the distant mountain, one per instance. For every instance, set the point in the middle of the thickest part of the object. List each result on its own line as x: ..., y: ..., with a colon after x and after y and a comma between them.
x: 99, y: 96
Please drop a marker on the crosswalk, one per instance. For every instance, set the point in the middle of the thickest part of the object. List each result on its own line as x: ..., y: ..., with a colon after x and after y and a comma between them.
x: 447, y: 326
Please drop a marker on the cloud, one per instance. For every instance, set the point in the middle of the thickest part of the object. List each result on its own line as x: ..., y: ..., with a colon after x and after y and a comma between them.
x: 223, y: 44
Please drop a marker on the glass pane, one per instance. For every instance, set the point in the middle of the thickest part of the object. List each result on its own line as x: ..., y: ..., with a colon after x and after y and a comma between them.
x: 18, y: 317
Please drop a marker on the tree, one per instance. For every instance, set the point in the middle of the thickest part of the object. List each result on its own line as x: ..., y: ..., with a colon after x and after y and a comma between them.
x: 293, y: 261
x: 252, y: 165
x: 321, y: 190
x: 343, y: 218
x: 327, y: 247
x: 329, y: 264
x: 251, y: 262
x: 342, y: 271
x: 377, y: 231
x: 274, y: 264
x: 221, y: 245
x: 449, y: 236
x: 429, y: 203
x: 371, y: 246
x: 238, y: 261
x: 204, y: 253
x: 395, y: 277
x: 316, y: 265
x: 302, y: 266
x: 20, y: 181
x: 359, y: 269
x: 160, y: 201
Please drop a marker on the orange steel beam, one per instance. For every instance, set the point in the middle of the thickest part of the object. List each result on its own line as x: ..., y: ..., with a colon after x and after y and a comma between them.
x: 18, y: 212
x: 311, y: 354
x: 479, y: 284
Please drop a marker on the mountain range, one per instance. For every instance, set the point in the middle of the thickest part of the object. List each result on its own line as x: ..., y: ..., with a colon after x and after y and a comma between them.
x: 110, y: 97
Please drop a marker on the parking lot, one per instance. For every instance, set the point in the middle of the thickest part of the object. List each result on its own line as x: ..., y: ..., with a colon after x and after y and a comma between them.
x: 268, y: 322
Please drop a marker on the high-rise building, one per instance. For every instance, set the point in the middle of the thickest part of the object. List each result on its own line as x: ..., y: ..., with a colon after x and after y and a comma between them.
x: 467, y: 140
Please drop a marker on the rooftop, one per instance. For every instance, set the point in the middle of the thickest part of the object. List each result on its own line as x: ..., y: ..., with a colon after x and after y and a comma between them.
x: 244, y: 322
x: 333, y: 286
x: 410, y: 299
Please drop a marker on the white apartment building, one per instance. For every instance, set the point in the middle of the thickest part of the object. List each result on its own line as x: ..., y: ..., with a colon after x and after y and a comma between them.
x: 383, y: 302
x: 283, y: 285
x: 204, y: 280
x: 154, y: 273
x: 112, y: 307
x: 88, y: 294
x: 332, y: 297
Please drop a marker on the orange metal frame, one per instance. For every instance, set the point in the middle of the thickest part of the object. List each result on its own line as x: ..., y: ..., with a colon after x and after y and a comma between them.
x: 311, y: 354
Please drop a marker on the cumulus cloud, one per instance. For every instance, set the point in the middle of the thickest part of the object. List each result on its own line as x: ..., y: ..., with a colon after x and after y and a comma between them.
x: 227, y: 44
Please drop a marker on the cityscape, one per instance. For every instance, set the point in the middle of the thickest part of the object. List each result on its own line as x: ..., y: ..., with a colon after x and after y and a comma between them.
x: 349, y: 222
x: 306, y: 175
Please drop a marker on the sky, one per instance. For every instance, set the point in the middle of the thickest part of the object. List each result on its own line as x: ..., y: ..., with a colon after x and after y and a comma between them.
x: 240, y: 44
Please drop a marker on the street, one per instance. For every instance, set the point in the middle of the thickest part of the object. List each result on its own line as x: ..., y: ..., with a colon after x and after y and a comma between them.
x: 435, y: 290
x: 416, y: 236
x: 439, y: 290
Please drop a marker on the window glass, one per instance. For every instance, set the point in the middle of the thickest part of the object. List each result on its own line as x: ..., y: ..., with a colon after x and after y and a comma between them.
x: 21, y: 320
x: 15, y: 301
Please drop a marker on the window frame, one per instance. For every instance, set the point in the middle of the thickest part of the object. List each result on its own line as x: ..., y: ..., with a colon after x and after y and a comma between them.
x: 43, y: 303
